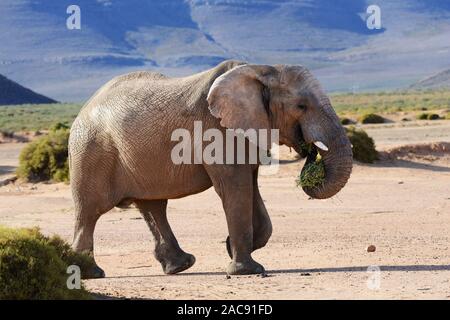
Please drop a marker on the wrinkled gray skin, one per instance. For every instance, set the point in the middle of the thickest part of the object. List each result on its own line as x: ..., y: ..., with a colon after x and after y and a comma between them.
x: 120, y: 151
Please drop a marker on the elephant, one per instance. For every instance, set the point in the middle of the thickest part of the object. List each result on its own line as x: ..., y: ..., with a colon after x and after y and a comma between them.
x: 120, y: 151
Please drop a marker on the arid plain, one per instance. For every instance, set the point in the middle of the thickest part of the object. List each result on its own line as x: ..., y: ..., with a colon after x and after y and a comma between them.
x: 400, y: 204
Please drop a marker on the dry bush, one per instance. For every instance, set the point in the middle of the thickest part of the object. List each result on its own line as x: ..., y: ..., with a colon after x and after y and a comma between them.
x: 363, y: 145
x: 33, y: 266
x: 371, y: 118
x: 46, y: 158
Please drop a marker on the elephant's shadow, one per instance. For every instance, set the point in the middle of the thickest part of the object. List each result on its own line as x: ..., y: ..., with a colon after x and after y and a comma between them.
x: 308, y: 272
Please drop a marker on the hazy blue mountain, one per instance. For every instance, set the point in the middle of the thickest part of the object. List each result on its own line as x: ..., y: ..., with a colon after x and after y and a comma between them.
x: 13, y: 93
x: 178, y: 37
x: 439, y: 80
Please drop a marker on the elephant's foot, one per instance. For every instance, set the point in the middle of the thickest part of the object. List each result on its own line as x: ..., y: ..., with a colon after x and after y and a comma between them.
x: 229, y: 247
x: 94, y: 272
x: 247, y: 267
x: 257, y: 244
x: 177, y: 263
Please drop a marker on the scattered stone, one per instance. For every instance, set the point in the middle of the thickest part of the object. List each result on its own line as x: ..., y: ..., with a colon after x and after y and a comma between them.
x: 371, y: 248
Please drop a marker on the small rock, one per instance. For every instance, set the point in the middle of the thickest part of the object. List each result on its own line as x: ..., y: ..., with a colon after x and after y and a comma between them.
x: 400, y: 182
x: 228, y: 277
x: 371, y: 248
x: 305, y: 274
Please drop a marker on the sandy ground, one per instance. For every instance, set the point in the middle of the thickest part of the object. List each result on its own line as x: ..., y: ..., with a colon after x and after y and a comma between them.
x: 318, y: 248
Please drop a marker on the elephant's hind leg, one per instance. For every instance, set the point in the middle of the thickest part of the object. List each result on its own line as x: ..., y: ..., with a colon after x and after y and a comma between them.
x: 167, y: 250
x: 85, y: 220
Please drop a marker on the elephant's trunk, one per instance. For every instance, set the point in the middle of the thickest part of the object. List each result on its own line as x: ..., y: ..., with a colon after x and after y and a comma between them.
x: 338, y: 161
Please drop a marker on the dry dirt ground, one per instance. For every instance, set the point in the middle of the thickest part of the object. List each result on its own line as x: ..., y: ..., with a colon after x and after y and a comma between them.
x: 318, y: 248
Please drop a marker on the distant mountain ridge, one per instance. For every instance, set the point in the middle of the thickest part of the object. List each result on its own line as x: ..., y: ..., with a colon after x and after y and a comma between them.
x: 439, y: 80
x: 180, y: 37
x: 13, y: 93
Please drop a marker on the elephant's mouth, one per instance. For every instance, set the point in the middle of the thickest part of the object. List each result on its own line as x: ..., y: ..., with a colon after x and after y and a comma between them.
x: 300, y: 146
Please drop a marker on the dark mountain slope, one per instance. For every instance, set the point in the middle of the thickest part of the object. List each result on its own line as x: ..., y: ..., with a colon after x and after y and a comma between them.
x: 13, y: 93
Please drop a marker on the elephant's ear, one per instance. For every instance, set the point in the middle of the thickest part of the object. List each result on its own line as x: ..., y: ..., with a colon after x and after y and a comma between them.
x: 237, y: 97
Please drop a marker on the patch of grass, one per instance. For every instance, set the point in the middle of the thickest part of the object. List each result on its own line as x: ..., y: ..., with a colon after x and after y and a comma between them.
x: 371, y: 118
x: 59, y: 125
x: 390, y: 102
x: 33, y: 266
x: 46, y: 158
x: 29, y: 117
x: 363, y: 145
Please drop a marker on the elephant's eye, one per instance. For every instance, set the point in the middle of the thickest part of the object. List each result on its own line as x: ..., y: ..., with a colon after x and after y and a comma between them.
x: 302, y: 107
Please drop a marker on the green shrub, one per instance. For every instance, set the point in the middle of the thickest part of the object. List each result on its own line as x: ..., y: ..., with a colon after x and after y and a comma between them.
x: 7, y: 133
x: 371, y: 118
x: 428, y: 116
x: 59, y: 126
x: 433, y: 116
x: 363, y: 145
x: 46, y: 158
x: 33, y: 266
x: 345, y: 121
x: 422, y: 116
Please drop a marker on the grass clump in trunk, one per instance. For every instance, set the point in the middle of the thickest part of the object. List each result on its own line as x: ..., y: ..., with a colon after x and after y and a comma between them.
x: 33, y: 266
x: 46, y: 158
x: 313, y: 173
x: 363, y: 145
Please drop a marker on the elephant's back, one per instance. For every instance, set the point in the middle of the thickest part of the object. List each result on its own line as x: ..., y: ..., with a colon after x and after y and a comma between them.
x: 124, y: 85
x: 135, y: 113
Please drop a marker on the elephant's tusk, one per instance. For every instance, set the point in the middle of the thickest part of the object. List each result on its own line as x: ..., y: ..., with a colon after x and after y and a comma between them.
x: 321, y: 145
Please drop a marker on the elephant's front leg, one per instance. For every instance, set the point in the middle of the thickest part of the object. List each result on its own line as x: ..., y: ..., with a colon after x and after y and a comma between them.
x: 235, y: 187
x: 262, y: 226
